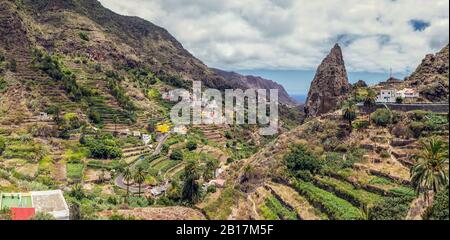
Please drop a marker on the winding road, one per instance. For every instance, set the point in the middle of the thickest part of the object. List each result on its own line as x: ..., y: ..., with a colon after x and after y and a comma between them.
x: 119, y: 181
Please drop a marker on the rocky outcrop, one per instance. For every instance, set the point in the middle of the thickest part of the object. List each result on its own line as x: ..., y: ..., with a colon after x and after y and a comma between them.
x: 431, y: 77
x: 360, y: 84
x: 252, y: 82
x: 330, y: 85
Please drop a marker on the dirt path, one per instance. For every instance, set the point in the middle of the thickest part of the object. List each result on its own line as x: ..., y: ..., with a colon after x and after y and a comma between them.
x: 255, y: 211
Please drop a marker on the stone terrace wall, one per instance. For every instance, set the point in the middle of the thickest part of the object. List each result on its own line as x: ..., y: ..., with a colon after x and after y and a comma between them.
x: 435, y: 107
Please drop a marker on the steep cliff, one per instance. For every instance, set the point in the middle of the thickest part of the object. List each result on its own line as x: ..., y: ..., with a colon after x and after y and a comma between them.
x: 330, y: 85
x: 431, y: 76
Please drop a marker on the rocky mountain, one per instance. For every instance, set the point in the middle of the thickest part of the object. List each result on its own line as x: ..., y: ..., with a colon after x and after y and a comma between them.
x: 330, y: 85
x: 114, y: 39
x: 431, y: 76
x: 253, y: 82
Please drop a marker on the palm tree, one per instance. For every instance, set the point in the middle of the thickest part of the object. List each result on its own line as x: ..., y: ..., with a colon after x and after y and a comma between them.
x: 127, y: 176
x: 210, y: 169
x: 430, y: 172
x: 139, y: 178
x: 349, y: 112
x: 191, y: 189
x: 370, y: 101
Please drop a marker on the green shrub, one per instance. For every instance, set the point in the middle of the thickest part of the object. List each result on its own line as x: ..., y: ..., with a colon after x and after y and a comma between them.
x: 334, y: 161
x: 144, y: 77
x: 176, y: 155
x: 191, y: 146
x: 267, y: 213
x: 392, y: 208
x: 75, y: 171
x: 228, y: 135
x: 42, y: 216
x: 417, y: 115
x: 2, y: 84
x: 104, y: 147
x: 2, y: 145
x: 84, y: 36
x: 360, y: 124
x: 175, y: 81
x: 95, y: 117
x: 211, y: 189
x: 154, y: 94
x: 2, y: 58
x: 382, y: 117
x: 439, y: 209
x: 300, y: 159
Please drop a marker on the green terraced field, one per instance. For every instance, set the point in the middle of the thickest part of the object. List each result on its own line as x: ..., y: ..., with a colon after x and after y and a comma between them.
x: 337, y: 208
x: 281, y: 211
x: 358, y: 196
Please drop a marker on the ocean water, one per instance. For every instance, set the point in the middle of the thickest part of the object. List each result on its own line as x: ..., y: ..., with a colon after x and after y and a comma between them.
x: 301, y: 98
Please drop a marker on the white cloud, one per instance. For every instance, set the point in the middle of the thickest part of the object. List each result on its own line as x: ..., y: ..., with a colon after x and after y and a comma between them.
x: 296, y: 34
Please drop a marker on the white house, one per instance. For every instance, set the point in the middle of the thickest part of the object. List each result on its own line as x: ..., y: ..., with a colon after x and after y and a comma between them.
x: 407, y: 93
x: 391, y: 95
x: 51, y: 202
x: 387, y: 96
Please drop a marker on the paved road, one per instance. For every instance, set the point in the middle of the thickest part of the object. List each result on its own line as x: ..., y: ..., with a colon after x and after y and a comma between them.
x: 119, y: 181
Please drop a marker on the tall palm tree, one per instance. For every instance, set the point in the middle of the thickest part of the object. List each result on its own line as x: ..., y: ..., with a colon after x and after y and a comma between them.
x: 191, y: 189
x: 139, y: 178
x: 127, y: 176
x: 349, y: 113
x: 430, y: 171
x: 370, y: 101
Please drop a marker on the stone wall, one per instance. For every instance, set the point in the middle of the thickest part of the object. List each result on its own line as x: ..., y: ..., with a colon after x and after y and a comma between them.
x: 435, y: 107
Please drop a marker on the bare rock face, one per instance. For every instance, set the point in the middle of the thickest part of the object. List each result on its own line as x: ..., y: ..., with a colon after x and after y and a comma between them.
x: 330, y: 85
x: 431, y: 77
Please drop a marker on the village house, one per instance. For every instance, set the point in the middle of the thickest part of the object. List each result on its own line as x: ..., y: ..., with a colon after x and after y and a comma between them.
x: 391, y: 95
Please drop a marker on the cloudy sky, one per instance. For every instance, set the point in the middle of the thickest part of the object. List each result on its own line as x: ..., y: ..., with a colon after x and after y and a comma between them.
x: 260, y: 36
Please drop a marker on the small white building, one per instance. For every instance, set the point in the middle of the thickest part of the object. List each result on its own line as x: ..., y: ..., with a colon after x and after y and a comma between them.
x: 391, y: 95
x: 387, y: 96
x: 407, y: 93
x: 51, y: 202
x: 146, y: 139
